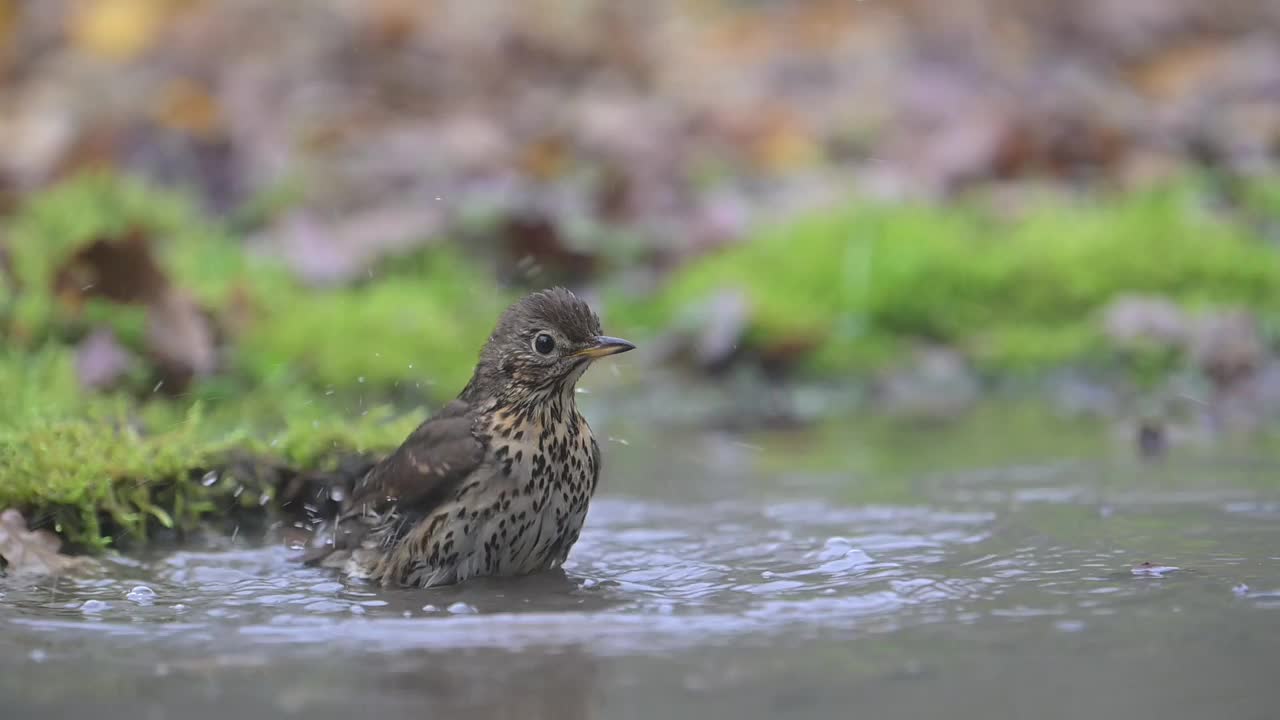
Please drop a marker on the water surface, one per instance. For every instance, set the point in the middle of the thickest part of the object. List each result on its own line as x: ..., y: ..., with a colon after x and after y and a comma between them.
x: 996, y: 569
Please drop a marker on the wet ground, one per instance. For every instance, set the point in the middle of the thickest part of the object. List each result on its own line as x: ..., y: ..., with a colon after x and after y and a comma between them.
x: 1003, y: 568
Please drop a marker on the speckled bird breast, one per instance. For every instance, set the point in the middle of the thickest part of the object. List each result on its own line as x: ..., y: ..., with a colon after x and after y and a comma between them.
x: 520, y: 512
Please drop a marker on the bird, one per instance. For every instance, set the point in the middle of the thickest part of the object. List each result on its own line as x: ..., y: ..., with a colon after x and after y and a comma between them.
x: 497, y: 482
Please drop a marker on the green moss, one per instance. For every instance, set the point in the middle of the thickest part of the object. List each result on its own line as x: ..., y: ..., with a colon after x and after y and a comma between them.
x: 104, y: 467
x: 308, y: 374
x: 417, y: 330
x: 1022, y: 293
x: 53, y: 225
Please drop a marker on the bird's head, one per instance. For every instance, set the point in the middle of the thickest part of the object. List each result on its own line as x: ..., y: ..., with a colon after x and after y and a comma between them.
x: 541, y: 345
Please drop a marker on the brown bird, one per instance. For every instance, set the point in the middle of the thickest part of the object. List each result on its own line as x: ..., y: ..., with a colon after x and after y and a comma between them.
x: 497, y: 483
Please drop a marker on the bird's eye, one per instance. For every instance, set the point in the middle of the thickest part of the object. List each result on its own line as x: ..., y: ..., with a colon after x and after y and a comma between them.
x: 544, y: 344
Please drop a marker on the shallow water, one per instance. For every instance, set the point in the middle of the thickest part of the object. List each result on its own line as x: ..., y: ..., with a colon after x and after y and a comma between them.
x: 996, y: 569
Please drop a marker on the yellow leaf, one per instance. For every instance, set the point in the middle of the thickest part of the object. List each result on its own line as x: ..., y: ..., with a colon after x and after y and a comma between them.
x: 116, y: 29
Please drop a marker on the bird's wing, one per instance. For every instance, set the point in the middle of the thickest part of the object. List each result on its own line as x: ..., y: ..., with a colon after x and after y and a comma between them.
x: 417, y: 477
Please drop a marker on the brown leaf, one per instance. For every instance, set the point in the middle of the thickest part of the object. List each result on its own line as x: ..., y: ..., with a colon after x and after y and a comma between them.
x: 122, y: 270
x: 33, y: 552
x: 180, y: 339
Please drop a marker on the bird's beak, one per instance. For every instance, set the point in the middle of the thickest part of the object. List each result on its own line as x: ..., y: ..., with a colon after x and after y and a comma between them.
x: 605, y: 345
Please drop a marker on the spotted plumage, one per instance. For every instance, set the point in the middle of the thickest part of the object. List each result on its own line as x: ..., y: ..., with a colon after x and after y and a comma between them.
x: 497, y: 482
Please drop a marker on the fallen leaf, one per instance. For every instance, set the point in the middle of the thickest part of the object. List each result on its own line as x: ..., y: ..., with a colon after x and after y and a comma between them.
x: 101, y: 361
x: 34, y: 552
x: 180, y: 339
x: 117, y: 29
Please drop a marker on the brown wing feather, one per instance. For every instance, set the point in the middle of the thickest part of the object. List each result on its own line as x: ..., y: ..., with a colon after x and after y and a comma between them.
x: 414, y: 479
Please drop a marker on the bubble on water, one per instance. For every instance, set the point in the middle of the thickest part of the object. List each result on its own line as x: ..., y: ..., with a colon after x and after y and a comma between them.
x: 141, y: 595
x: 38, y: 655
x: 93, y: 606
x: 1071, y: 626
x: 461, y: 608
x: 430, y: 608
x: 589, y: 583
x: 180, y: 608
x: 209, y: 478
x: 1240, y: 590
x: 356, y: 610
x: 406, y: 614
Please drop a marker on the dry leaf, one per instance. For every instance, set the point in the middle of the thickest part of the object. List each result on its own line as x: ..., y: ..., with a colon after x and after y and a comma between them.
x: 34, y: 552
x: 117, y: 29
x: 179, y: 340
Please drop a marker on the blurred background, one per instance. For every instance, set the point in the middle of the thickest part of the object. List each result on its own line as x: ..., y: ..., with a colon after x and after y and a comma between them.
x: 958, y: 382
x: 281, y: 215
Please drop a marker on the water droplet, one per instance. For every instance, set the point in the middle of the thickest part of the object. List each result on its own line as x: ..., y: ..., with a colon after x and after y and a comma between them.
x: 142, y: 595
x: 209, y: 478
x: 337, y: 494
x: 430, y: 608
x: 329, y: 392
x: 461, y: 608
x: 410, y: 366
x: 407, y: 614
x: 93, y: 607
x: 360, y: 379
x: 38, y: 655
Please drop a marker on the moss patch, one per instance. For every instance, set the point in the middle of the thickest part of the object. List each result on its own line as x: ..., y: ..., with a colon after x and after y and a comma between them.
x: 307, y: 375
x: 859, y: 282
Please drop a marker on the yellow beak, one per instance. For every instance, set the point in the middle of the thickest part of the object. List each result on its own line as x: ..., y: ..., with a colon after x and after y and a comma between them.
x: 603, y: 346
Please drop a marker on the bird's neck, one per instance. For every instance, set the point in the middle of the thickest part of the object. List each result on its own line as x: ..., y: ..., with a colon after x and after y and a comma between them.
x: 554, y: 402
